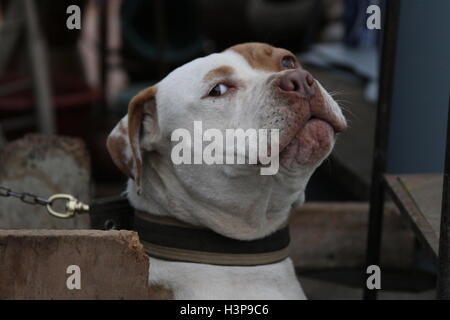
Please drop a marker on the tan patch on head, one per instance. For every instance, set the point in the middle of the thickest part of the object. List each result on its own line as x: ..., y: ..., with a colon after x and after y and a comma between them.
x: 220, y: 72
x: 263, y: 56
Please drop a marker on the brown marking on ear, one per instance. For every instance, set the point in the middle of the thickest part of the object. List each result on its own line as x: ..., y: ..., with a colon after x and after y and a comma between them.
x: 135, y: 117
x: 116, y: 145
x: 223, y: 71
x: 122, y: 129
x: 159, y: 292
x: 263, y: 56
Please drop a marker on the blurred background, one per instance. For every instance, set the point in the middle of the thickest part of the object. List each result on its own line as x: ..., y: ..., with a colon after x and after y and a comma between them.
x: 77, y: 84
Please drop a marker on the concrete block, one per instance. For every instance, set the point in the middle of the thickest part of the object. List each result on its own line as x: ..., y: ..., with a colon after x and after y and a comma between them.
x: 43, y: 165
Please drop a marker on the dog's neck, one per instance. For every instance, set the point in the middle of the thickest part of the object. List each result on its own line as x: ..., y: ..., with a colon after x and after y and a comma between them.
x: 240, y: 206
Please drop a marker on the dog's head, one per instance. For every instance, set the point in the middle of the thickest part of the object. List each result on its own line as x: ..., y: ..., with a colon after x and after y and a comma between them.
x: 248, y: 86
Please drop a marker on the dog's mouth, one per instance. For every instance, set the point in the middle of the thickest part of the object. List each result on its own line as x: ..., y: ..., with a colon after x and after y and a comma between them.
x: 314, y: 139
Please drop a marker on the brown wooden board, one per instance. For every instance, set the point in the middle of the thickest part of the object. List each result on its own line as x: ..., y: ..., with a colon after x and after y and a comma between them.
x: 33, y: 263
x: 113, y: 265
x: 418, y: 197
x: 333, y: 235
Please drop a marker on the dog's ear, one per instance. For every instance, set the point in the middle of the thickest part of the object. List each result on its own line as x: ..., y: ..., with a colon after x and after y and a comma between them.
x: 137, y: 130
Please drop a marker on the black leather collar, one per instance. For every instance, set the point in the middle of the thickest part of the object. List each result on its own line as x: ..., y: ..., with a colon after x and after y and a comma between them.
x: 173, y: 240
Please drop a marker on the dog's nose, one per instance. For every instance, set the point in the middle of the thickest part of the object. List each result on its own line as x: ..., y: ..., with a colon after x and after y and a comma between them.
x: 299, y: 81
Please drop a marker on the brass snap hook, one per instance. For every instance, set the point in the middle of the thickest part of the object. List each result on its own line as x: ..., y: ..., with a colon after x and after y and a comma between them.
x: 72, y: 206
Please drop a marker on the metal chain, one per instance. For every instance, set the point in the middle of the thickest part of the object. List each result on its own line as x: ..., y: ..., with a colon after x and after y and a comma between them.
x: 23, y: 196
x: 72, y: 204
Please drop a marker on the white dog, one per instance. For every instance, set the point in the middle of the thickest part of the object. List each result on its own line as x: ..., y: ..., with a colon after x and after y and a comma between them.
x: 252, y: 85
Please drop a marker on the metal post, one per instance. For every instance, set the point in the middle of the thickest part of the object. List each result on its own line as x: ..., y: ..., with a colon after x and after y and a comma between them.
x: 2, y: 138
x: 39, y: 69
x: 443, y: 285
x: 387, y: 68
x: 10, y: 32
x: 103, y: 53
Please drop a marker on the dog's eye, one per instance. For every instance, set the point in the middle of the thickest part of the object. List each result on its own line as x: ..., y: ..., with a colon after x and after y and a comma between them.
x: 218, y: 90
x: 288, y: 62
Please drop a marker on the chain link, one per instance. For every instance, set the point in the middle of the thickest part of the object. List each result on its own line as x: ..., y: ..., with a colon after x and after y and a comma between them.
x: 25, y: 197
x: 72, y: 206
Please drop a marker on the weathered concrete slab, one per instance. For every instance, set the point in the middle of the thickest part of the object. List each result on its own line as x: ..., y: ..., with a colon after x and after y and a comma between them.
x: 43, y: 165
x: 328, y: 235
x: 112, y: 265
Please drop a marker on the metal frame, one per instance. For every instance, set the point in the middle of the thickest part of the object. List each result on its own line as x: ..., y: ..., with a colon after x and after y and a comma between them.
x: 21, y: 17
x: 443, y: 285
x: 378, y: 187
x: 377, y: 192
x: 411, y: 213
x: 39, y: 69
x: 103, y: 53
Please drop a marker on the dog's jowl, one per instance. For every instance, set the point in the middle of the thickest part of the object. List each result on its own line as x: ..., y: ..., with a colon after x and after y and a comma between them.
x: 217, y: 230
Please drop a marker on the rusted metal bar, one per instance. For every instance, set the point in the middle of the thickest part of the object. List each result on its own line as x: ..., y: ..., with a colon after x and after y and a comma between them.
x: 443, y: 285
x: 39, y: 69
x: 103, y: 53
x: 10, y: 32
x: 387, y: 67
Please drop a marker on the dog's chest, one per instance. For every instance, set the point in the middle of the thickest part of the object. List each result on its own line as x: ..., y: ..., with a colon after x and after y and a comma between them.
x: 202, y: 281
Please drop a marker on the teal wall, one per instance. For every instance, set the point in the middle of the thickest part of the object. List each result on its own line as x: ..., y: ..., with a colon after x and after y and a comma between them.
x: 421, y: 87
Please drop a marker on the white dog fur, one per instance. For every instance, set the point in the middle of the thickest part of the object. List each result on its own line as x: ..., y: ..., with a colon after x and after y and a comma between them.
x: 232, y: 200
